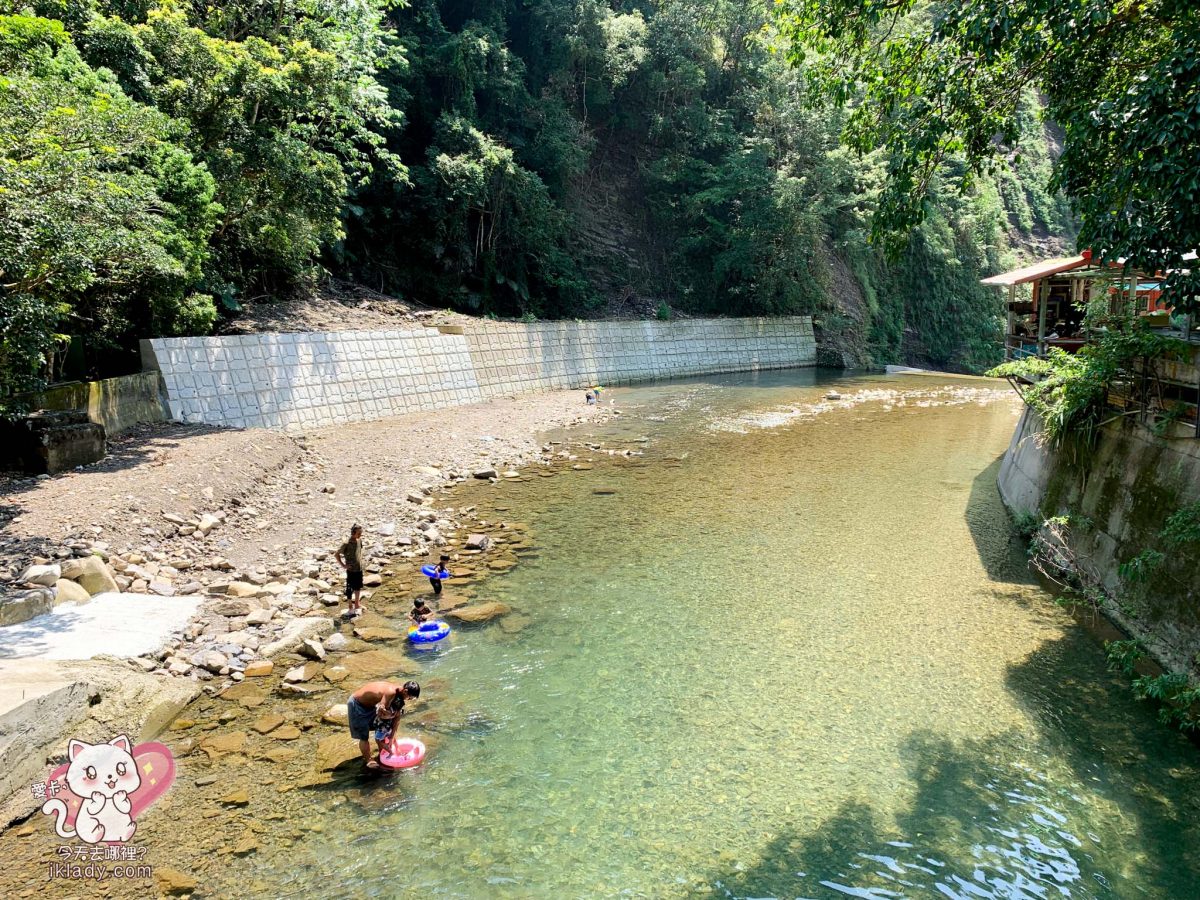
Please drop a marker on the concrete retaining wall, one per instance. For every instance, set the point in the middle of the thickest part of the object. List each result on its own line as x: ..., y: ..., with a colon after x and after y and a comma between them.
x: 512, y: 358
x: 116, y: 403
x: 1125, y: 490
x: 312, y: 380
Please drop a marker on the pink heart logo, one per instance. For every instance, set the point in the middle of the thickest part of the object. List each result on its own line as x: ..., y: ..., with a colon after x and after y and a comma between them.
x: 156, y: 766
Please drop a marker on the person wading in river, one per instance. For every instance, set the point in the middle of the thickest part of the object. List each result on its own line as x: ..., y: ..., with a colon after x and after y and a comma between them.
x: 349, y: 557
x: 380, y: 700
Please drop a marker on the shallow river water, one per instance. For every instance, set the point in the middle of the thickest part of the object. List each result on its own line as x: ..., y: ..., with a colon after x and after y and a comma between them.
x: 794, y: 653
x: 791, y: 650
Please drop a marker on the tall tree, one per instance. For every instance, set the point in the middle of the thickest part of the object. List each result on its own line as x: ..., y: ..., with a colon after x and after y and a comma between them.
x: 940, y: 81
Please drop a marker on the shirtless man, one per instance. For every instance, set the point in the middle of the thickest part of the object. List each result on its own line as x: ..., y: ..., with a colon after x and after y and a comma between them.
x: 376, y: 699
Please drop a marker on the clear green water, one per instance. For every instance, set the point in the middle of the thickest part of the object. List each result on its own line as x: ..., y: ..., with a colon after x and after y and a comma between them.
x: 799, y: 661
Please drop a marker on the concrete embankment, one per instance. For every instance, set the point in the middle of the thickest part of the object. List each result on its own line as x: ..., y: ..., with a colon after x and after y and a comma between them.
x: 300, y: 381
x: 1119, y: 497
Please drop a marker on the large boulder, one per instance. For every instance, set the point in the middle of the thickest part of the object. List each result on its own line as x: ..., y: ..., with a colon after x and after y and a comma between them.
x: 91, y: 574
x: 23, y: 606
x: 479, y: 612
x: 69, y: 592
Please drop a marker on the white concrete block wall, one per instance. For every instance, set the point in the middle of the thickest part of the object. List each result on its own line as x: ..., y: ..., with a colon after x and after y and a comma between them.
x: 302, y: 381
x: 312, y: 380
x: 513, y: 358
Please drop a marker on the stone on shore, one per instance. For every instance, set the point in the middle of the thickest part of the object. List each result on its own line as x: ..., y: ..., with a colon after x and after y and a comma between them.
x: 247, y: 845
x: 237, y: 798
x: 220, y: 744
x: 311, y: 648
x: 207, y: 523
x: 479, y: 612
x: 24, y: 606
x: 484, y: 473
x: 70, y: 592
x: 43, y: 575
x: 242, y: 589
x: 300, y: 674
x: 258, y: 668
x: 336, y: 641
x: 268, y: 723
x: 295, y: 633
x: 338, y: 714
x: 212, y: 660
x: 172, y: 882
x: 91, y: 574
x: 259, y: 616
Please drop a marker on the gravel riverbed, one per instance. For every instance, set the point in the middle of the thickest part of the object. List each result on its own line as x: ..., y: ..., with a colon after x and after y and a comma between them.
x: 250, y: 519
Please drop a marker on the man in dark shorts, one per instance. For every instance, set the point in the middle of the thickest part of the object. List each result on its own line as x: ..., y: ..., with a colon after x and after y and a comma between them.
x: 376, y: 699
x: 349, y: 557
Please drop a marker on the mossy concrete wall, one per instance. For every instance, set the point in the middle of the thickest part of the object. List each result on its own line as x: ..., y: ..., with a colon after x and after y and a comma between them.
x: 116, y: 403
x: 1119, y: 497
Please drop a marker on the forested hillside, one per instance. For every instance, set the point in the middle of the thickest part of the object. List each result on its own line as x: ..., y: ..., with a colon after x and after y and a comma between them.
x: 162, y: 164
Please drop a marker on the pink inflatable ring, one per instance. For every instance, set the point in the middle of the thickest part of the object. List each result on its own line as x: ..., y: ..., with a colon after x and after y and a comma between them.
x: 402, y: 753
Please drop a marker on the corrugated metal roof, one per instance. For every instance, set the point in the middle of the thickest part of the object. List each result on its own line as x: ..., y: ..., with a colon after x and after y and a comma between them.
x: 1036, y: 271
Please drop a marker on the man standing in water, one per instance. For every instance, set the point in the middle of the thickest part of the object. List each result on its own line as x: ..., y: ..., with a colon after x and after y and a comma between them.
x: 376, y: 700
x: 349, y: 557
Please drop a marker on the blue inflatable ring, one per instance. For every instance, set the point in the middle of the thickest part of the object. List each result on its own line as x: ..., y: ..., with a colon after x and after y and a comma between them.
x: 428, y: 632
x: 432, y: 572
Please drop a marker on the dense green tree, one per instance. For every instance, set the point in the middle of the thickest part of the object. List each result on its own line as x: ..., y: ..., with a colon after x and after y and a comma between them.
x: 105, y: 221
x: 163, y: 162
x: 939, y: 81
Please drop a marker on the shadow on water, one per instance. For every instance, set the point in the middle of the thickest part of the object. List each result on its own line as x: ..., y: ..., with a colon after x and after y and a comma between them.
x: 986, y: 821
x: 1000, y: 549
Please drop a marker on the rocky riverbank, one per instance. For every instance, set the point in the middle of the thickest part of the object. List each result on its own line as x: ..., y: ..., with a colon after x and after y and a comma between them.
x: 247, y: 521
x: 269, y: 662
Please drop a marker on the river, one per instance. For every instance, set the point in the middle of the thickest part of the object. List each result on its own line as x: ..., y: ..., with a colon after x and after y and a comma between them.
x: 788, y: 647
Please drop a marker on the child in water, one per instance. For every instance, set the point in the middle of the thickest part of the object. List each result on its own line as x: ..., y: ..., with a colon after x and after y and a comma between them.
x: 441, y: 571
x: 385, y: 723
x: 420, y: 611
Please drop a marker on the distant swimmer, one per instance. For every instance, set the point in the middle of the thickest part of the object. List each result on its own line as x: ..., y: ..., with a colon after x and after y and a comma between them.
x: 441, y: 572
